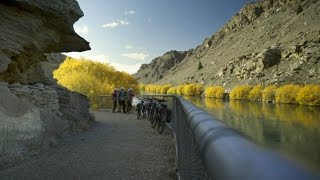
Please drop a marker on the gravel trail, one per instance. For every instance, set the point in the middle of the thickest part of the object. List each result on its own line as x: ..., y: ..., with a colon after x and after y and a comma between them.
x: 118, y: 146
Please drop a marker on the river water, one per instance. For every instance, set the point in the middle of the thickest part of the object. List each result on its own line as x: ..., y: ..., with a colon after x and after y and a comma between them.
x: 292, y: 130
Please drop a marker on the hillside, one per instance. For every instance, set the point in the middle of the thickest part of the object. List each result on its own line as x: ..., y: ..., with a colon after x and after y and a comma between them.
x: 267, y: 42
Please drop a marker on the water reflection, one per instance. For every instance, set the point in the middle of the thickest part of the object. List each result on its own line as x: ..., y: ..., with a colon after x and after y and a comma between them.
x: 292, y: 129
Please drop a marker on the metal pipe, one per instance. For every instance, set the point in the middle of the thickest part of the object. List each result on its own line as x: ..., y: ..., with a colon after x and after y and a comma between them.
x: 228, y: 155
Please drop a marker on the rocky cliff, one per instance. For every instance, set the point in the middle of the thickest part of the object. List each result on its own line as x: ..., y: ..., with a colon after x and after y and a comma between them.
x: 30, y: 28
x: 154, y: 71
x: 267, y: 42
x: 34, y: 110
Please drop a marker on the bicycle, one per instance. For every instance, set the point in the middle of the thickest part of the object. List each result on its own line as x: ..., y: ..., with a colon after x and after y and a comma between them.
x: 142, y: 108
x: 166, y: 117
x: 159, y: 113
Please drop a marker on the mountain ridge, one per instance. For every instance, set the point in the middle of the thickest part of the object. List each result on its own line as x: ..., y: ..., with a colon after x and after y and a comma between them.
x: 267, y: 42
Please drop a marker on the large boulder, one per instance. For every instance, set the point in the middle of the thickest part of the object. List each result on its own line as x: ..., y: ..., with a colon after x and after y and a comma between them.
x: 269, y: 58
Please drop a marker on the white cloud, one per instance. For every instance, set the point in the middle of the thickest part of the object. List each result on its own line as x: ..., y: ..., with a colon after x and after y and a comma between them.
x: 128, y: 47
x: 115, y: 24
x: 136, y: 56
x: 90, y: 56
x: 127, y: 67
x: 83, y: 29
x: 130, y: 12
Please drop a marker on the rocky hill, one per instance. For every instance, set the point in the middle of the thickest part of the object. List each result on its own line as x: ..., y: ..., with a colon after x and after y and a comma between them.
x: 34, y: 110
x: 267, y: 42
x: 154, y: 71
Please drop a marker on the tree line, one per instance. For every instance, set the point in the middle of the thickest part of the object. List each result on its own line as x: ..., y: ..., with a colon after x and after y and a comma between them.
x: 92, y: 78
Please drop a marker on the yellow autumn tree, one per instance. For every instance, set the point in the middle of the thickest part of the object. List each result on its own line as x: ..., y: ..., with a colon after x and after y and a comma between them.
x: 240, y: 92
x: 309, y: 95
x: 269, y: 93
x: 92, y: 78
x: 287, y: 94
x: 214, y: 92
x: 255, y: 93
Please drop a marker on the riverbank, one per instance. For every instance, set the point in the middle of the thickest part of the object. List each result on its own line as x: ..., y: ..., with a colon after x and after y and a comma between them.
x: 287, y: 94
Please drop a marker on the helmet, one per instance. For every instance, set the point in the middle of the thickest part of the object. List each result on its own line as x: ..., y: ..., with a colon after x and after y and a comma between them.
x: 122, y: 88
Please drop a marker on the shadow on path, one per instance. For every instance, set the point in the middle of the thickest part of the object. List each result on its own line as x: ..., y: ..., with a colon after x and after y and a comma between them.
x: 118, y: 146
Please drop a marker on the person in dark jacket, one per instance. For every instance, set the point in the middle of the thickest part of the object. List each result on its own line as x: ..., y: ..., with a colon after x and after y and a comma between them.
x: 124, y: 101
x: 115, y: 96
x: 129, y: 99
x: 121, y: 100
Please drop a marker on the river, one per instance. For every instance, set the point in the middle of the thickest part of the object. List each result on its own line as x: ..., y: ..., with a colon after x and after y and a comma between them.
x: 292, y: 130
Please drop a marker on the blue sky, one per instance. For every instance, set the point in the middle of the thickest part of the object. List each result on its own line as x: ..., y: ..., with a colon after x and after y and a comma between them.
x: 127, y: 33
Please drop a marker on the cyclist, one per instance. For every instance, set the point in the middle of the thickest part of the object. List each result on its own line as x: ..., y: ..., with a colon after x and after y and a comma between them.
x: 129, y: 100
x: 121, y: 99
x: 124, y: 101
x: 115, y: 96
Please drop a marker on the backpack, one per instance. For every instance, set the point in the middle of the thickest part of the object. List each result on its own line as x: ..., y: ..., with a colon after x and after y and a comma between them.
x: 121, y: 94
x: 125, y: 96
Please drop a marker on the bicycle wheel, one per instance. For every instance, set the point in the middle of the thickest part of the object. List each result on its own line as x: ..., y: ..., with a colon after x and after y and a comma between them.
x: 162, y: 122
x: 150, y: 114
x: 154, y: 120
x: 139, y: 111
x: 143, y: 112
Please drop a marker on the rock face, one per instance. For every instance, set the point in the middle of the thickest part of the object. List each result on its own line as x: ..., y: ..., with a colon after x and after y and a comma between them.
x: 34, y: 110
x: 267, y: 42
x: 30, y: 28
x: 156, y: 69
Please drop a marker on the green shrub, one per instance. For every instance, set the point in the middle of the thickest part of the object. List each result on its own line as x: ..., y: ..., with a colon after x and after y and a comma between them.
x: 200, y: 65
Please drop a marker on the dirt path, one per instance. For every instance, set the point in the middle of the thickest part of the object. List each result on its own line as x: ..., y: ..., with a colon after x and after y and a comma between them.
x: 117, y: 147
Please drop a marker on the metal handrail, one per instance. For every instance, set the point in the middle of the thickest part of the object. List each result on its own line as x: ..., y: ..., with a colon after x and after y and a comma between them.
x: 227, y: 154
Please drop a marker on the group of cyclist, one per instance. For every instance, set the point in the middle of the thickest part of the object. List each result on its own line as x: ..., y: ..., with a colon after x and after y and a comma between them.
x: 122, y: 100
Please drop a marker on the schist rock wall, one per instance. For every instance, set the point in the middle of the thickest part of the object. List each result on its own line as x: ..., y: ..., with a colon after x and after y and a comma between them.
x: 34, y: 110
